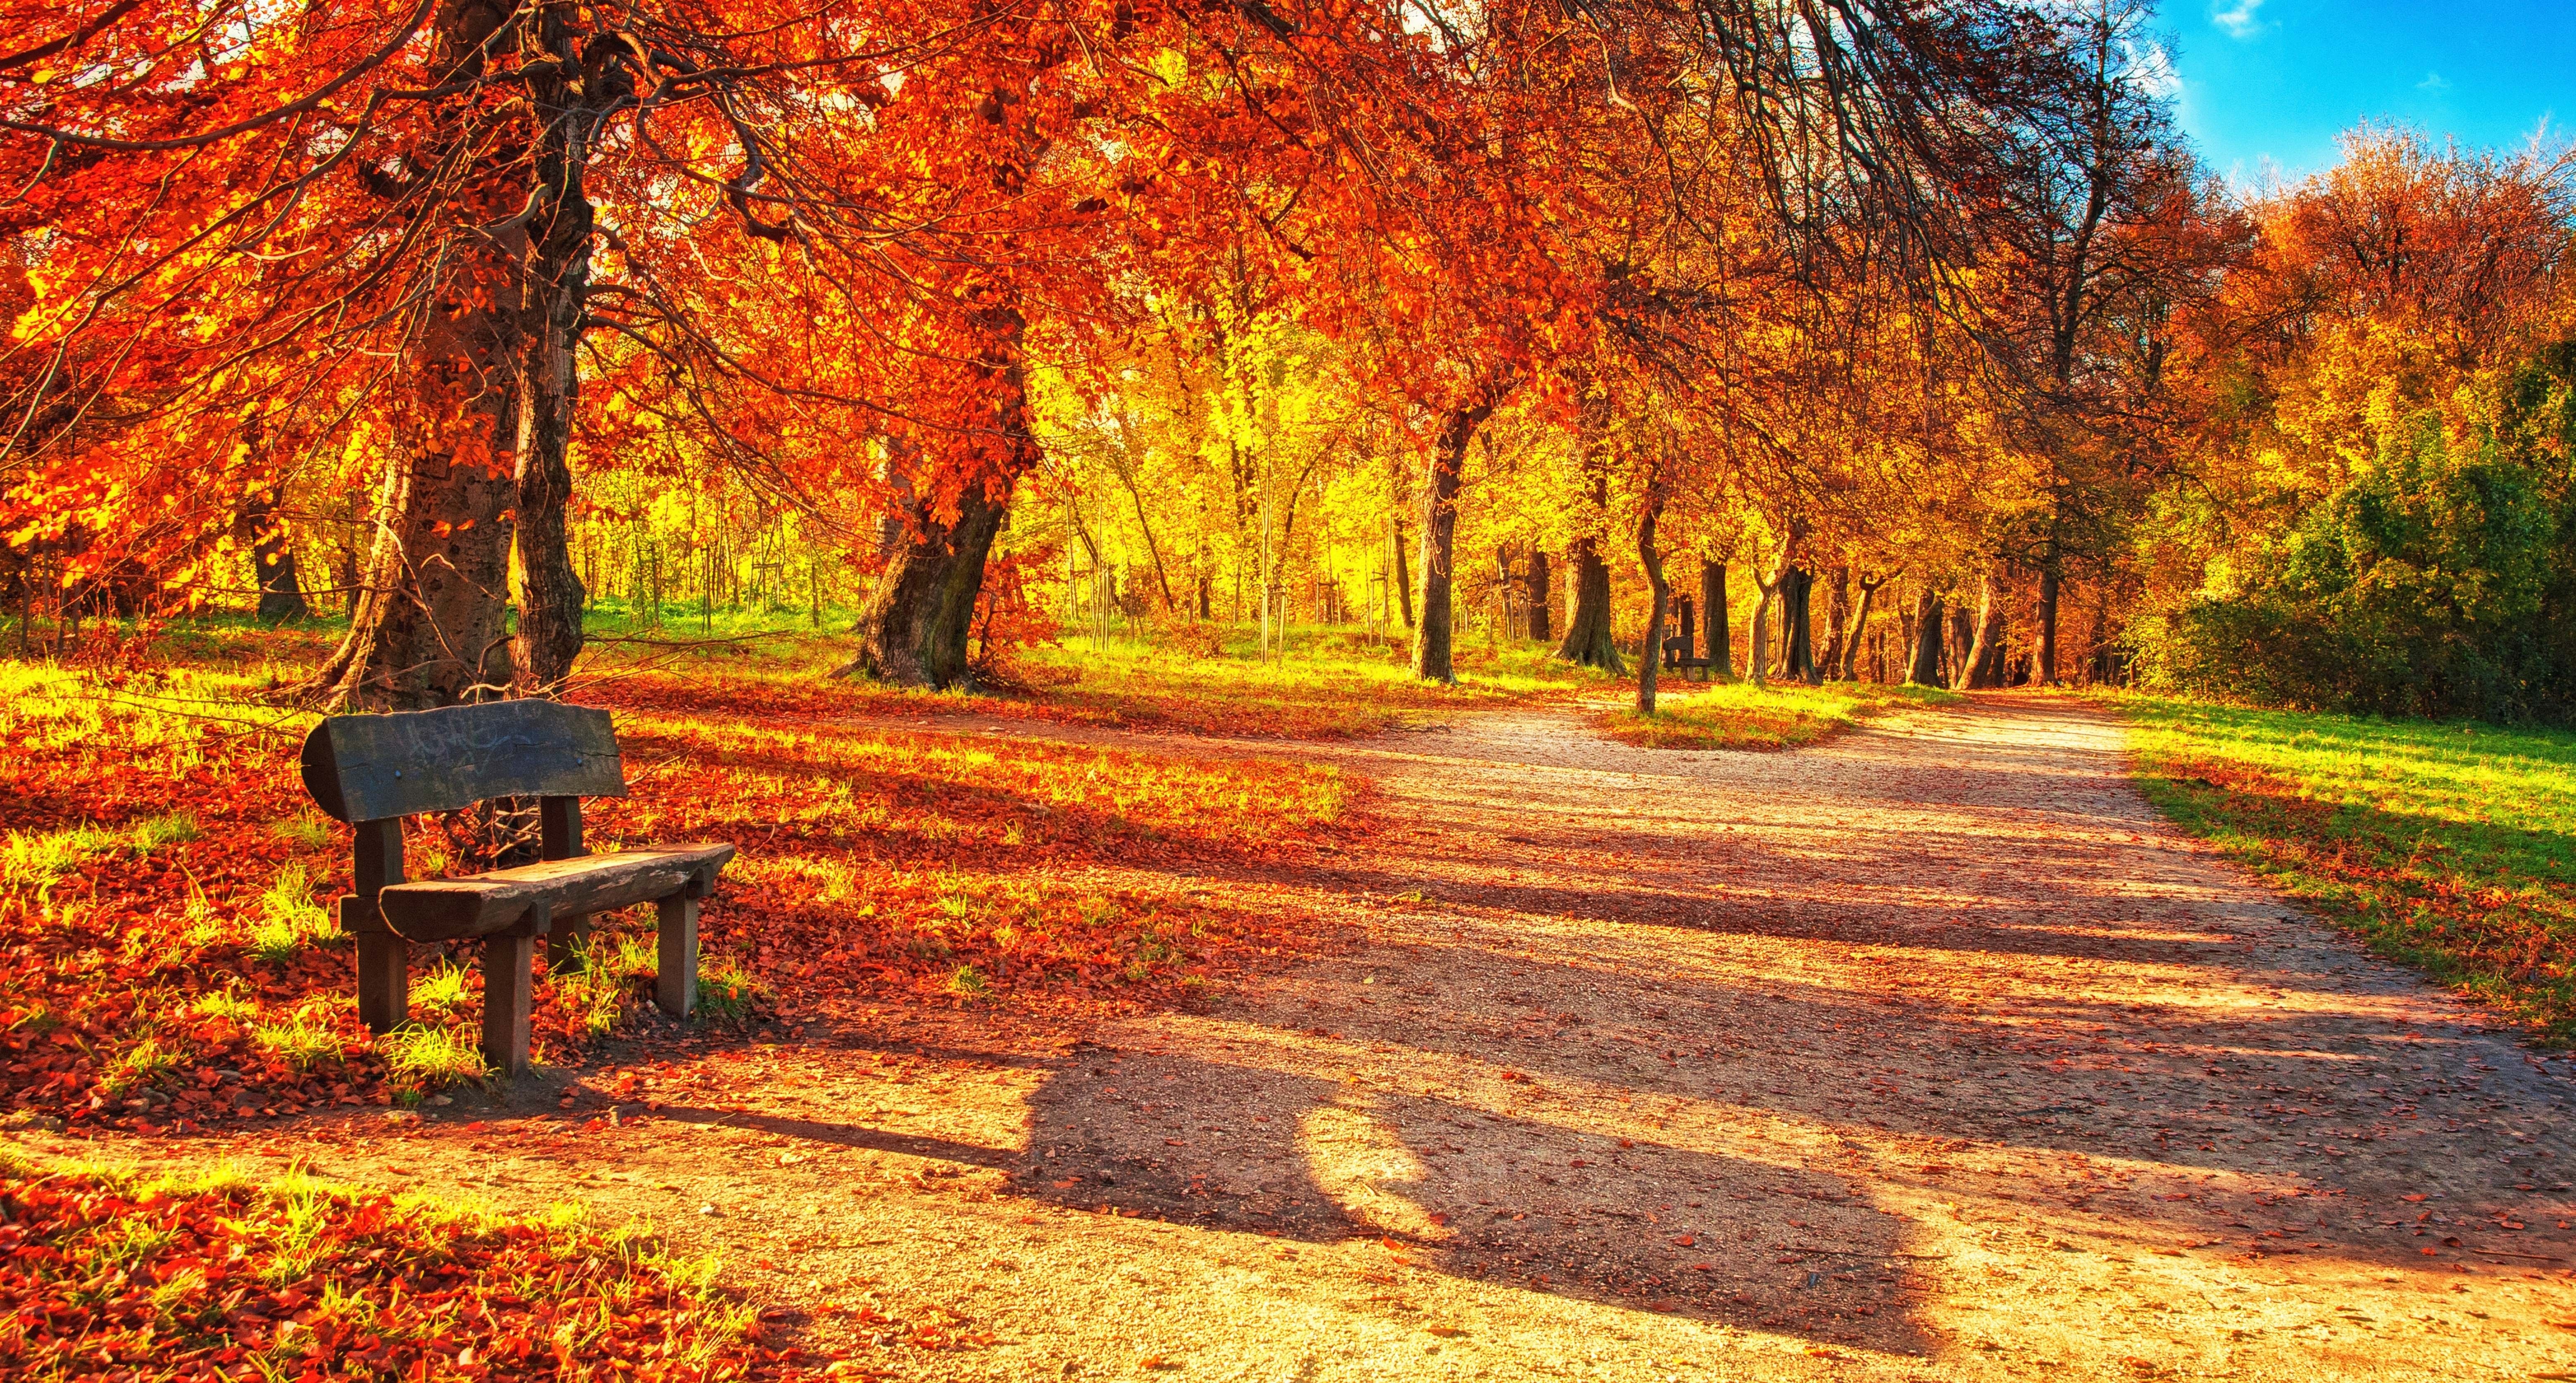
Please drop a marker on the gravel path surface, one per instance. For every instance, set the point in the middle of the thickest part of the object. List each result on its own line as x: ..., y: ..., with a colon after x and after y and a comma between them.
x: 1930, y: 1052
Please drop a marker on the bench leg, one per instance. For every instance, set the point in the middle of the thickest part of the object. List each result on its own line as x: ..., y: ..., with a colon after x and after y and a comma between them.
x: 675, y: 981
x: 509, y: 973
x: 384, y: 981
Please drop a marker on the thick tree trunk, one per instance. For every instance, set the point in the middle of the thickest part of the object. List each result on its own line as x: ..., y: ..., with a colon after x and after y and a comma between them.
x: 1983, y: 663
x: 1433, y: 659
x: 1588, y: 639
x: 1797, y: 632
x: 429, y: 627
x: 272, y: 562
x: 1542, y: 611
x: 1757, y: 665
x: 2048, y: 625
x: 1713, y: 613
x: 1660, y: 602
x: 914, y: 624
x: 551, y: 598
x: 1926, y: 671
x: 913, y: 628
x: 1838, y: 630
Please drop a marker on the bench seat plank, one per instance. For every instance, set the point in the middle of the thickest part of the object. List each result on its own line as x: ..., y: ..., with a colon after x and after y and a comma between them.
x: 454, y: 909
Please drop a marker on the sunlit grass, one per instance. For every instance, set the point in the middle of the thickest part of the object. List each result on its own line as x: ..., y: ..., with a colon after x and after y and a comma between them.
x: 289, y: 918
x: 2451, y: 847
x: 432, y: 1056
x: 1328, y: 684
x: 1738, y: 715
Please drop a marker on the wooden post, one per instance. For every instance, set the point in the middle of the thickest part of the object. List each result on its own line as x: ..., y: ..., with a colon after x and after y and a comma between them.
x: 675, y: 980
x: 384, y: 959
x: 509, y: 979
x: 559, y: 826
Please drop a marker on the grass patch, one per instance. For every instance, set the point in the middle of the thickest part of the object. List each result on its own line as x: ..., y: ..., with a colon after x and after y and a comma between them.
x: 35, y: 859
x: 289, y: 918
x: 2448, y: 847
x: 1738, y: 715
x: 429, y: 1057
x: 302, y: 1039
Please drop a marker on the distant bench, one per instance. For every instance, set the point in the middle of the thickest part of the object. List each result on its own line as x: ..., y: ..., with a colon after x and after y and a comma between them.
x: 373, y: 770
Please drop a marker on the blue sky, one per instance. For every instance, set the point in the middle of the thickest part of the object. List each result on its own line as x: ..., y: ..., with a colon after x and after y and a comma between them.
x: 2276, y: 80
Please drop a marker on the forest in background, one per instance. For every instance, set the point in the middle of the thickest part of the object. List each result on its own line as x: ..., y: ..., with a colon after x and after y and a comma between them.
x: 1912, y: 338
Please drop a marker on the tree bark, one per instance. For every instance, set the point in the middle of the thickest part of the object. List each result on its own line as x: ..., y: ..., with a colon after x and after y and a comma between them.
x: 1588, y: 640
x: 1926, y: 671
x: 1756, y: 666
x: 1433, y: 659
x: 1797, y: 637
x: 1838, y: 630
x: 1661, y: 600
x: 1721, y: 637
x: 272, y: 562
x: 1403, y: 578
x: 2048, y: 625
x: 913, y: 628
x: 557, y: 297
x: 1541, y: 596
x: 429, y: 627
x: 1851, y: 641
x: 1979, y: 669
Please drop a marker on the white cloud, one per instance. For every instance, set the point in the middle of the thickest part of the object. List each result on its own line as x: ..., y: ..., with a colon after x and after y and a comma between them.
x: 2240, y: 18
x: 2433, y: 81
x: 2155, y: 68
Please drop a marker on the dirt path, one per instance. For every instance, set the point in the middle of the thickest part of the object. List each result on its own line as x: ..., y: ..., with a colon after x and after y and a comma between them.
x: 1927, y: 1053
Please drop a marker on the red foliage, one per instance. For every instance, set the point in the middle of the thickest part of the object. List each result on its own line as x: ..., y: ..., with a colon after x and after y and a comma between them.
x: 100, y: 1282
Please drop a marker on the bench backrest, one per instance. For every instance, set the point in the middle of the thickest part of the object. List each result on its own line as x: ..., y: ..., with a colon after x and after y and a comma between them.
x: 372, y: 767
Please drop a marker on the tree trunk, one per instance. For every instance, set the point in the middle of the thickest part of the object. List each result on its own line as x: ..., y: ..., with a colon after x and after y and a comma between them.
x: 1432, y: 652
x: 1757, y: 666
x: 430, y: 625
x: 914, y: 623
x: 1797, y: 626
x: 1851, y: 641
x: 272, y: 562
x: 1661, y: 601
x: 1721, y: 637
x: 1926, y: 671
x: 1838, y: 632
x: 1978, y: 670
x: 1542, y: 611
x: 1587, y: 630
x: 1403, y: 578
x: 2048, y: 625
x: 913, y: 629
x: 551, y: 597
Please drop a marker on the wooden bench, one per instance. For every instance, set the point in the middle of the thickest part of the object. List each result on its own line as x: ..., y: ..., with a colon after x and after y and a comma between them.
x: 373, y: 770
x: 1677, y: 649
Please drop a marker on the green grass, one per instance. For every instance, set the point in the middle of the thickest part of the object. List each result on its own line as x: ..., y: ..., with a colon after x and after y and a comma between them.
x: 2448, y: 847
x: 1737, y: 715
x: 289, y: 918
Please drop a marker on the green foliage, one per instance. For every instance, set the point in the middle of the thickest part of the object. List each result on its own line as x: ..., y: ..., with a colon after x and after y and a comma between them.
x: 2439, y: 581
x: 301, y: 1040
x: 726, y: 990
x: 430, y: 1056
x: 289, y: 918
x: 2450, y: 847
